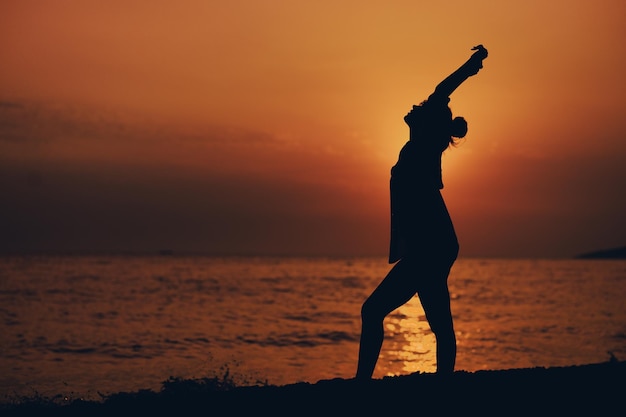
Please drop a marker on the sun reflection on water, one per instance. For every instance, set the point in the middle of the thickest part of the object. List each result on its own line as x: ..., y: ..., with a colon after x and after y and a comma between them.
x: 409, y: 345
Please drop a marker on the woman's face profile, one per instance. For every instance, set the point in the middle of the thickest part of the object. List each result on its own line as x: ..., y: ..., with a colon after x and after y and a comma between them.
x: 412, y: 117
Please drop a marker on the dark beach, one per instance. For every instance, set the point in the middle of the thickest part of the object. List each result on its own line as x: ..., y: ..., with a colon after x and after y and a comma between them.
x: 597, y: 389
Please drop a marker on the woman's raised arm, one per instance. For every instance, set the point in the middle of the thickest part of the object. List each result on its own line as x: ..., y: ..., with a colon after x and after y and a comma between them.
x: 469, y: 68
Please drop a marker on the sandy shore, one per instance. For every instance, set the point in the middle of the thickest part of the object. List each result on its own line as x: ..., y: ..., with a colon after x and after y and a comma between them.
x: 594, y: 389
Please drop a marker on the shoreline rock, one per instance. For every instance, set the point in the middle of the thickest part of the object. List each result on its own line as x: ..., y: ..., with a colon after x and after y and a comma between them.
x: 596, y: 389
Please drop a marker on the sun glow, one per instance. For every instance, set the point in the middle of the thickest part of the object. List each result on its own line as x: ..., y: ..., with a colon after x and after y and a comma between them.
x: 312, y: 96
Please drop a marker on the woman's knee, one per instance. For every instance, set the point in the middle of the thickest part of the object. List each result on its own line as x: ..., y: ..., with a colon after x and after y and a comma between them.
x: 370, y: 313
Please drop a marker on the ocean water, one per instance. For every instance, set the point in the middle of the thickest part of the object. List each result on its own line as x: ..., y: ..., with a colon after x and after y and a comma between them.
x: 84, y: 327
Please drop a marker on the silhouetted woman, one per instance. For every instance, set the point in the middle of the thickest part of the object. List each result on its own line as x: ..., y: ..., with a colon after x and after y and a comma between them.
x: 423, y: 241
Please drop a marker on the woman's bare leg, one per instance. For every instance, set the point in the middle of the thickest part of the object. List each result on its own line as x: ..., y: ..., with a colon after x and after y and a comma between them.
x: 435, y: 298
x: 395, y: 290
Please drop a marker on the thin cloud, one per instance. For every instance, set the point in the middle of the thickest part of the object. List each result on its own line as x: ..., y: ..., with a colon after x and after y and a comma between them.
x: 81, y: 181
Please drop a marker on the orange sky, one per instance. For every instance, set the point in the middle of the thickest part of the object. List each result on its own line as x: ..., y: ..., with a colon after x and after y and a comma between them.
x: 270, y: 127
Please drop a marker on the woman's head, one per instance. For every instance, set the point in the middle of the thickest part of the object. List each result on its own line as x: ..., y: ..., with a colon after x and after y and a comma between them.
x: 435, y: 121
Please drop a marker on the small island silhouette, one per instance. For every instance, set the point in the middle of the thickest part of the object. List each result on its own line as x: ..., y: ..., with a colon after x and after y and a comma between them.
x: 613, y: 253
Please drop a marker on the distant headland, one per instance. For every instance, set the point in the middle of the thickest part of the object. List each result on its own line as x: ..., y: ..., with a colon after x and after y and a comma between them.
x: 614, y: 253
